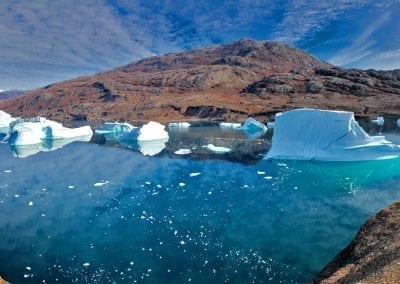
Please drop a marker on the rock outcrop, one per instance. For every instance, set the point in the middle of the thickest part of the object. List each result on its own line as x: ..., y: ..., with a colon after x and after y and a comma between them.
x: 230, y: 82
x: 373, y: 256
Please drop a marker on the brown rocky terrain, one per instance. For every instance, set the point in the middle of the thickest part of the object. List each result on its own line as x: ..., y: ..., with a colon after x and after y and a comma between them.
x: 373, y: 256
x: 231, y: 82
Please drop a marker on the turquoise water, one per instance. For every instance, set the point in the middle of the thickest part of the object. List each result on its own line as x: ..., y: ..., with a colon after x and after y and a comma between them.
x: 97, y: 213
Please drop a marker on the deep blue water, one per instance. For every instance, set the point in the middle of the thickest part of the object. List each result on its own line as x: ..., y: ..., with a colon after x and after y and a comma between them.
x: 148, y: 220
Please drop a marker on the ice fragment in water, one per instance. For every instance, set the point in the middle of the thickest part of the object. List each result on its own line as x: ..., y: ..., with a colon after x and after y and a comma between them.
x: 194, y: 174
x: 217, y: 149
x: 152, y: 131
x: 179, y: 125
x: 229, y: 125
x: 378, y: 121
x: 183, y: 152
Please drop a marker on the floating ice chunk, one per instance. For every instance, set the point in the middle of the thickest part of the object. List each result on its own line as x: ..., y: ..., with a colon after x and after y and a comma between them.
x: 30, y: 203
x: 182, y: 184
x: 311, y: 134
x: 183, y: 152
x: 194, y: 174
x: 217, y: 149
x: 268, y: 177
x: 398, y: 122
x: 378, y: 121
x: 115, y: 127
x: 253, y: 128
x: 152, y: 131
x: 86, y: 264
x: 8, y: 171
x: 100, y: 183
x: 229, y: 125
x: 179, y: 125
x: 260, y: 172
x: 34, y: 131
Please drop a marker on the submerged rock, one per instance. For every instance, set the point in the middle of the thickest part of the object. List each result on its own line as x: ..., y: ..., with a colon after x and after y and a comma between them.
x: 312, y: 134
x: 373, y: 256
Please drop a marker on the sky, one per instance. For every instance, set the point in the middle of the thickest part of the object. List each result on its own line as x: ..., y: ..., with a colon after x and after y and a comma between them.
x: 44, y: 41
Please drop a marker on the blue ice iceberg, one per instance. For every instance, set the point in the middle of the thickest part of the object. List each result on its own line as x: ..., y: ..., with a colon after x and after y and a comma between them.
x: 253, y: 128
x: 312, y: 134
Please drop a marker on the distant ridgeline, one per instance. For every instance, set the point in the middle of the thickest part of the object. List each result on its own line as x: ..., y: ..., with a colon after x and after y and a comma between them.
x: 11, y: 94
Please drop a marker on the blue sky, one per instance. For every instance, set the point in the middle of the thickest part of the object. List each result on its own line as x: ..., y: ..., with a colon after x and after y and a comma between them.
x: 45, y: 40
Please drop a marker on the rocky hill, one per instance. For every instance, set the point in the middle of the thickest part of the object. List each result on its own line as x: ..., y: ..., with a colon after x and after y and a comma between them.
x: 11, y: 94
x: 231, y: 82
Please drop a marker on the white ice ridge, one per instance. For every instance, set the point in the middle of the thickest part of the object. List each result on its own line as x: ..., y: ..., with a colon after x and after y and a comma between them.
x: 179, y: 125
x: 217, y: 149
x: 152, y: 131
x: 312, y: 134
x: 34, y: 131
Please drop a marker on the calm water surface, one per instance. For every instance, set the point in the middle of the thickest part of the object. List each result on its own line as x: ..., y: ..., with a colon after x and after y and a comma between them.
x: 99, y: 213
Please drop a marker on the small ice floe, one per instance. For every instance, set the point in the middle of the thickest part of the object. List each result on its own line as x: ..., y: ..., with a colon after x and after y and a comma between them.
x: 182, y: 184
x: 217, y: 149
x: 183, y: 152
x: 268, y: 177
x: 194, y: 174
x: 229, y: 125
x: 28, y: 268
x: 179, y: 125
x: 100, y: 183
x: 30, y: 203
x: 114, y: 128
x: 7, y: 171
x: 260, y: 173
x: 86, y: 264
x: 34, y: 131
x: 152, y: 131
x: 159, y: 186
x: 253, y: 128
x: 378, y: 121
x: 71, y: 186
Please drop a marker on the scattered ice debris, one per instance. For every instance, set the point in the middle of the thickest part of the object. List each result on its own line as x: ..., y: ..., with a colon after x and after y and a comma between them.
x: 378, y: 121
x: 28, y: 268
x: 229, y: 125
x: 253, y: 128
x: 147, y: 182
x: 30, y: 203
x: 36, y: 130
x: 7, y: 171
x: 217, y: 149
x: 152, y: 131
x: 312, y: 134
x: 179, y: 125
x: 71, y: 186
x: 194, y: 174
x: 16, y: 196
x: 260, y: 173
x: 100, y: 183
x: 86, y: 264
x: 182, y: 184
x: 158, y: 186
x: 268, y: 177
x: 183, y: 152
x: 114, y: 128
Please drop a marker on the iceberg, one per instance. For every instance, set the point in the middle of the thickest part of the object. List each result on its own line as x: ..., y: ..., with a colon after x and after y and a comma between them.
x: 253, y: 128
x: 34, y: 131
x: 313, y: 134
x: 229, y: 125
x: 5, y: 120
x: 152, y: 131
x: 378, y: 121
x: 217, y: 149
x: 179, y: 125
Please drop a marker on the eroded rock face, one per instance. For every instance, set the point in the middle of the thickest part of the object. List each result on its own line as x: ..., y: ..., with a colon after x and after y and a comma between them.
x: 374, y: 254
x: 2, y: 281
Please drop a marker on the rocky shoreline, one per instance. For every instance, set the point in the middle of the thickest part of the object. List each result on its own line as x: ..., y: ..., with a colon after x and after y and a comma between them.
x: 373, y: 256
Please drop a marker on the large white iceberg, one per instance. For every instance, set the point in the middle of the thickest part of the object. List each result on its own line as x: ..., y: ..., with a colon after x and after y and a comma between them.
x: 34, y: 131
x: 311, y: 134
x: 152, y: 131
